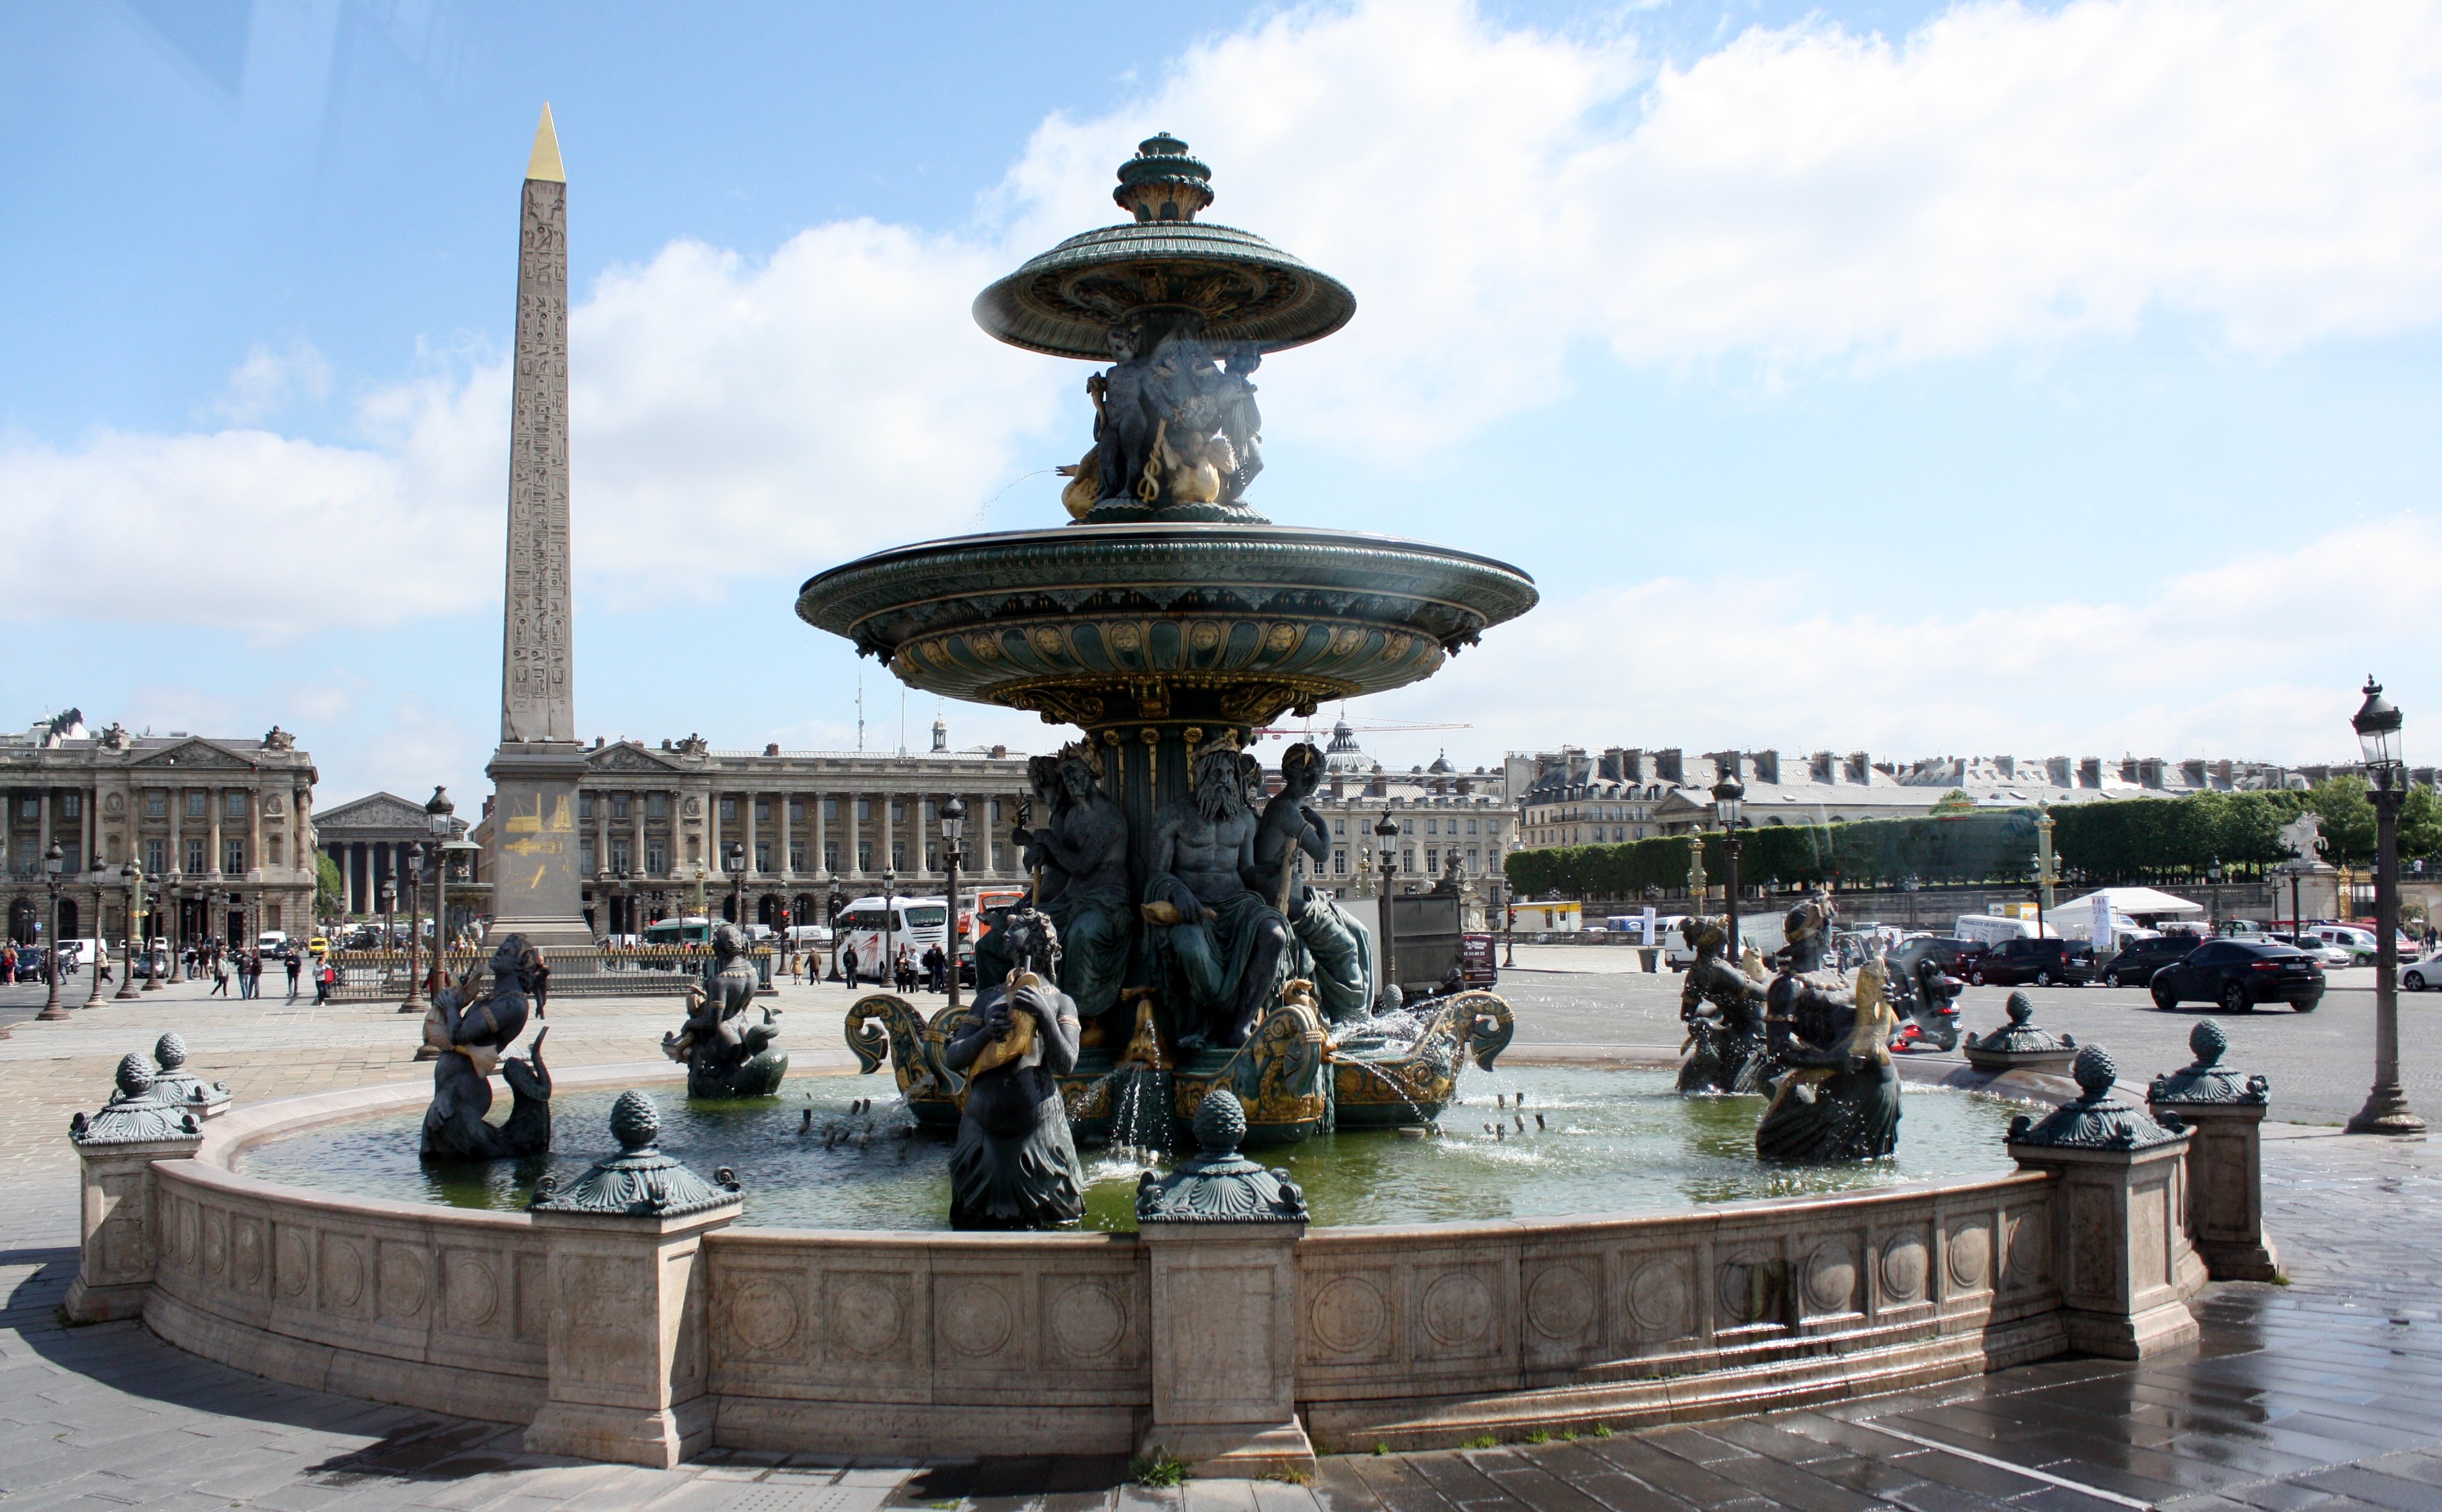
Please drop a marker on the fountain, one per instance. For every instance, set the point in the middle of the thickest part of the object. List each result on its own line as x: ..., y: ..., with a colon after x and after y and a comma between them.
x: 1168, y: 621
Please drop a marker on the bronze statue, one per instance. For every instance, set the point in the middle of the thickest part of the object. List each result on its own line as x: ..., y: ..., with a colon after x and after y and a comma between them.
x: 471, y: 1033
x: 1724, y: 1010
x: 1835, y: 1092
x: 1331, y: 951
x: 1084, y: 849
x: 725, y: 1055
x: 1216, y: 934
x: 1015, y: 1165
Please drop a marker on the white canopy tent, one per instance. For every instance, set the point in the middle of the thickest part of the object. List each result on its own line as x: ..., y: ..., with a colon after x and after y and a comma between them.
x: 2133, y: 911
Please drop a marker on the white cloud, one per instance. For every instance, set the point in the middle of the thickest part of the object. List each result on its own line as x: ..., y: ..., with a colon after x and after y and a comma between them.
x: 2257, y: 657
x: 1500, y: 198
x: 267, y: 382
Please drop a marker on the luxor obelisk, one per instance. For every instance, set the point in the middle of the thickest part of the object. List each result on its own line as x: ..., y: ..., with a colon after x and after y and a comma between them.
x: 537, y: 890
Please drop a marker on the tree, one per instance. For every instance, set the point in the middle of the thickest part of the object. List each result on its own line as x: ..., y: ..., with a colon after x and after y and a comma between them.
x: 329, y: 891
x: 1954, y: 801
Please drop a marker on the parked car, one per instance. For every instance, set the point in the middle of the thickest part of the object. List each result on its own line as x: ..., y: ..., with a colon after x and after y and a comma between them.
x: 2040, y: 961
x: 2327, y: 956
x: 2238, y: 975
x: 2419, y: 974
x: 2358, y: 942
x: 1956, y: 957
x: 2139, y: 959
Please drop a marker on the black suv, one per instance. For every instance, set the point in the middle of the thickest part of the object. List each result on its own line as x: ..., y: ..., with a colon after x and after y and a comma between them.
x: 1953, y: 955
x: 2238, y: 974
x: 2139, y: 959
x: 2040, y: 961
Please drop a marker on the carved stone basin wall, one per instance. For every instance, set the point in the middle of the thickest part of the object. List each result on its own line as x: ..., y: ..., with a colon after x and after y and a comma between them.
x: 949, y: 1344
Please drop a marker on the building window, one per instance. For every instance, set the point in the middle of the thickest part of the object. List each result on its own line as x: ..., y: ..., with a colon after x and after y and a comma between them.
x: 29, y: 809
x: 1408, y: 861
x: 656, y: 858
x: 618, y: 806
x: 195, y: 802
x: 865, y: 807
x: 585, y: 806
x: 898, y: 855
x: 1339, y: 862
x: 797, y: 855
x: 796, y: 811
x: 898, y: 810
x: 619, y: 854
x: 830, y: 854
x: 729, y: 808
x: 1339, y: 827
x: 864, y: 849
x: 195, y: 857
x: 1474, y: 861
x: 762, y: 811
x: 585, y: 857
x: 233, y: 852
x: 762, y: 855
x: 233, y: 806
x: 1433, y: 827
x: 156, y: 857
x: 932, y: 858
x: 1471, y: 827
x: 157, y: 805
x: 830, y: 809
x: 658, y: 806
x: 1432, y: 860
x: 995, y: 810
x: 71, y: 805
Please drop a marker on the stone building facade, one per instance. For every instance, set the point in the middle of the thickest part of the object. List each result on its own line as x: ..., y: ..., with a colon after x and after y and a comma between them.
x: 805, y: 821
x: 223, y: 829
x: 371, y: 840
x: 1443, y: 813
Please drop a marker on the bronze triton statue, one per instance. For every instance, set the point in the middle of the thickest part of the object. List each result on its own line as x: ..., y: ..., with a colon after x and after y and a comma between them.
x: 1015, y: 1165
x: 725, y: 1054
x: 471, y: 1033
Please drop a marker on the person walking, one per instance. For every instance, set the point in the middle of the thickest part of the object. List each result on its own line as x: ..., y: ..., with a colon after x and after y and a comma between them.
x: 322, y: 975
x: 296, y: 966
x: 847, y: 964
x: 933, y: 960
x: 220, y: 976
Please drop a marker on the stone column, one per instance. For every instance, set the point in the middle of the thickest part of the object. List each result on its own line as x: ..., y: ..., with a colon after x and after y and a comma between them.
x: 2225, y: 1177
x: 212, y: 801
x: 890, y: 833
x: 822, y: 830
x: 788, y: 832
x: 849, y: 862
x: 254, y: 833
x: 1222, y: 1233
x: 2118, y: 1231
x: 119, y: 1232
x: 625, y: 1345
x: 43, y: 840
x: 746, y: 802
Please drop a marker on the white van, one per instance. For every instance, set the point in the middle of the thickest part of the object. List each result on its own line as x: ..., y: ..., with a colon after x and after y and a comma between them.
x: 1992, y: 929
x: 876, y: 927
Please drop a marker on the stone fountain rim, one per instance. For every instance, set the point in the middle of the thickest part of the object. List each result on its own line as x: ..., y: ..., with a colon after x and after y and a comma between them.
x: 227, y: 1138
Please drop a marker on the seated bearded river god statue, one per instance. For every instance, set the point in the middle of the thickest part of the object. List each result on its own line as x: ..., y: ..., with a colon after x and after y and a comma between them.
x: 1015, y: 1165
x: 1218, y: 937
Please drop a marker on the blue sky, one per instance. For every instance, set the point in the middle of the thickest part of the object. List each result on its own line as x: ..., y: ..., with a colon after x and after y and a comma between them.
x: 1924, y: 379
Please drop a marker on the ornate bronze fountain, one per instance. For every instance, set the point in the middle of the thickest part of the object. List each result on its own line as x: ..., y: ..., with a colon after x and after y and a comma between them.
x: 1168, y: 621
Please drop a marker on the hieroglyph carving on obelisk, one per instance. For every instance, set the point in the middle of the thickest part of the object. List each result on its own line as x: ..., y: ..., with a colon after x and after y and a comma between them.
x: 537, y: 663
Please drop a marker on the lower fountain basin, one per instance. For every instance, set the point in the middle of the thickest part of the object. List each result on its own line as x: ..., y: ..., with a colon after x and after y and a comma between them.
x: 1613, y: 1141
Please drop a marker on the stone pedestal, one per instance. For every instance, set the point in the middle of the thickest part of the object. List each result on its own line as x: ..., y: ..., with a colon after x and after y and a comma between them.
x: 536, y: 889
x: 626, y: 1350
x: 627, y: 1345
x: 1225, y: 1353
x: 2224, y: 1111
x: 118, y: 1218
x: 120, y: 1237
x: 2119, y: 1219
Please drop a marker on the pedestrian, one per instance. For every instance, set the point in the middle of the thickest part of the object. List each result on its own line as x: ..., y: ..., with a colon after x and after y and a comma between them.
x: 254, y: 973
x: 322, y: 979
x: 220, y: 978
x: 7, y: 963
x: 932, y: 968
x: 296, y: 967
x: 847, y: 964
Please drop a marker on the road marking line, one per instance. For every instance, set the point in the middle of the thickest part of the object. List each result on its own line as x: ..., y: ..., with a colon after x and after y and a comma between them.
x: 2014, y: 1469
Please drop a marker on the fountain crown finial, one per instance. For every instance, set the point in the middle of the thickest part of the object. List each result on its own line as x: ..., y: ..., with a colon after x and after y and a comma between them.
x: 1161, y: 182
x: 1220, y: 1122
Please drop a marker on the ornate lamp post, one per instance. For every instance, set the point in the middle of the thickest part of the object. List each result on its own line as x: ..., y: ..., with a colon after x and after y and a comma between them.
x: 2213, y: 875
x: 414, y: 1001
x: 834, y: 905
x: 953, y: 831
x: 1508, y: 924
x: 390, y: 911
x: 1908, y: 885
x: 1386, y: 846
x: 177, y: 930
x: 54, y: 878
x: 101, y: 880
x: 1728, y: 794
x: 736, y: 858
x: 2378, y: 725
x: 889, y: 924
x: 132, y: 878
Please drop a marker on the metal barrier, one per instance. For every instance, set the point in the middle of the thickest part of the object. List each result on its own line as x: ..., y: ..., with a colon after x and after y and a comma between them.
x: 617, y: 971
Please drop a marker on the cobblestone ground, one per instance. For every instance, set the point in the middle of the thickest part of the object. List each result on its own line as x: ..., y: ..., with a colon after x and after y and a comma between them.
x: 2326, y: 1392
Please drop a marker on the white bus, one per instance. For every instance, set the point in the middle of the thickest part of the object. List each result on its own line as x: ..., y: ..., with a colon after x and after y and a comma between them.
x: 876, y: 927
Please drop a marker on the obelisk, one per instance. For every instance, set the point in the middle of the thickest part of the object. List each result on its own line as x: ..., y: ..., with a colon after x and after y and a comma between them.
x: 537, y: 890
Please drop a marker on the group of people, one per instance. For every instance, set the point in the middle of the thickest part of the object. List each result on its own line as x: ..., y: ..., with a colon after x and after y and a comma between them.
x: 907, y: 970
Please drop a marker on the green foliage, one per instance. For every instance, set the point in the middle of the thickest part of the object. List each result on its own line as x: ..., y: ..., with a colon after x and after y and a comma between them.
x: 328, y: 889
x: 1538, y: 1436
x: 1481, y: 1441
x: 1602, y: 1430
x: 1381, y: 1449
x: 1954, y: 801
x: 1160, y: 1469
x: 2120, y: 842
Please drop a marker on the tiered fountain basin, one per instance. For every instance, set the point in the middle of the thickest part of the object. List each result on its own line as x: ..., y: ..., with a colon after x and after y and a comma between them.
x: 1453, y: 1285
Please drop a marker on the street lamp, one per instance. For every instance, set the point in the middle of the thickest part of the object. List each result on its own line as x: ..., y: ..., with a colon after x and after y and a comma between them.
x: 414, y: 1001
x: 101, y: 881
x: 953, y: 831
x: 2213, y: 875
x: 1728, y: 794
x: 176, y: 894
x: 735, y: 858
x: 890, y: 925
x: 1386, y: 844
x: 834, y: 905
x: 131, y: 877
x: 54, y: 878
x: 1908, y: 885
x: 2378, y: 725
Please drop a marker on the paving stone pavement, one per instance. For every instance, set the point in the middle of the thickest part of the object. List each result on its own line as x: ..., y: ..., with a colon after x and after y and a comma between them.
x: 2323, y: 1393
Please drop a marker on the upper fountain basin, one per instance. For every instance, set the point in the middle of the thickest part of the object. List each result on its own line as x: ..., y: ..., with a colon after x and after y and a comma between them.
x: 1079, y: 622
x: 1241, y: 287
